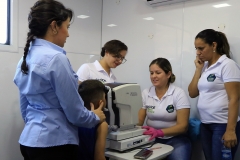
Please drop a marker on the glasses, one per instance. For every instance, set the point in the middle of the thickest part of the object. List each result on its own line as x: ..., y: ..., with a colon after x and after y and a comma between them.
x: 119, y: 57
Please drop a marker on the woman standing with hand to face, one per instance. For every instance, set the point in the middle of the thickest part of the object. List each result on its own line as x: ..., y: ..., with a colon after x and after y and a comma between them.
x: 167, y: 109
x: 49, y: 101
x: 217, y: 83
x: 113, y: 54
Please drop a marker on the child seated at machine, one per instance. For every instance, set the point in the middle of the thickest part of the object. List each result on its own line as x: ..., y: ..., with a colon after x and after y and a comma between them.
x: 92, y: 141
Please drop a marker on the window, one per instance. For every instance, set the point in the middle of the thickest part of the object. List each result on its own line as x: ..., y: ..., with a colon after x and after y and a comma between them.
x: 5, y: 22
x: 9, y: 26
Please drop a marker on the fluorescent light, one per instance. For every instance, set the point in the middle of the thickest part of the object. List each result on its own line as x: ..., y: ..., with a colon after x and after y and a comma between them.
x: 111, y: 25
x: 149, y: 18
x: 82, y: 16
x: 221, y: 5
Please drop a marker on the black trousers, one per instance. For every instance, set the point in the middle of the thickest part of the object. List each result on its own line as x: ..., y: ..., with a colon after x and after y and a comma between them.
x: 63, y: 152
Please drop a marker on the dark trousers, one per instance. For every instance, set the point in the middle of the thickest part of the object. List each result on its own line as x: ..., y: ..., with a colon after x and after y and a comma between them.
x: 63, y: 152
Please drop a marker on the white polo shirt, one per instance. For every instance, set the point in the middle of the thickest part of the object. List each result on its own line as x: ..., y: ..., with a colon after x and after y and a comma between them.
x: 161, y: 113
x: 95, y: 71
x: 213, y: 99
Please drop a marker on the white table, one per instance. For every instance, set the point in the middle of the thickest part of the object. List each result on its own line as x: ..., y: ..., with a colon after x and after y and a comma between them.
x: 157, y: 153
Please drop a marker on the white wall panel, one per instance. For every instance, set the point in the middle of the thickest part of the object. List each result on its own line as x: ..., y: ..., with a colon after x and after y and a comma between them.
x: 78, y: 59
x: 24, y: 8
x: 85, y: 34
x: 11, y: 121
x: 142, y: 37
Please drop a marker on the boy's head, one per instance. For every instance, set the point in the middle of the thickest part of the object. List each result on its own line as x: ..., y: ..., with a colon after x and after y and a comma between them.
x: 92, y: 91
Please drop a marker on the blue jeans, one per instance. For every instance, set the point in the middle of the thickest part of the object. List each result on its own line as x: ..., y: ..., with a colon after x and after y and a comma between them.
x: 182, y: 147
x: 211, y: 137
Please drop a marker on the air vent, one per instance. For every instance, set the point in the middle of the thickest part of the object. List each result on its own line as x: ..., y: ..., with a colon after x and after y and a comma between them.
x: 154, y: 3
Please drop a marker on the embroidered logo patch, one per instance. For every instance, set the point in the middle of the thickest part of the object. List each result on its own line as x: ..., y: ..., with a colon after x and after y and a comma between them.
x: 211, y: 77
x: 170, y: 108
x: 150, y: 109
x: 102, y: 80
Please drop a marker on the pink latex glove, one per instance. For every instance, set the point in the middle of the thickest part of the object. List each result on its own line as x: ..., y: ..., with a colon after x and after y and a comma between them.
x: 153, y: 132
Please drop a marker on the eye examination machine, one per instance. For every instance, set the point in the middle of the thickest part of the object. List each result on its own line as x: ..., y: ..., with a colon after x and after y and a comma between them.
x: 123, y: 103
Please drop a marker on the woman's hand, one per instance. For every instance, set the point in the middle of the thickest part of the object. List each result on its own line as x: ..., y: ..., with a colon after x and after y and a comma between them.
x: 99, y: 111
x: 198, y: 63
x: 230, y: 139
x: 153, y: 132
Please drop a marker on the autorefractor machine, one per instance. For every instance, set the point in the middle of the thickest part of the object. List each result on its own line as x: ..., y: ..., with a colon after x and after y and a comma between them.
x: 123, y: 103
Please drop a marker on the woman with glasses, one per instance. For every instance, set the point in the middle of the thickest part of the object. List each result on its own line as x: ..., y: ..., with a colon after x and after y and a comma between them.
x: 113, y: 54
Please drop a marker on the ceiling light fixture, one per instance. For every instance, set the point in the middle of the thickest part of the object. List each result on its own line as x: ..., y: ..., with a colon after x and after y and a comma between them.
x: 111, y: 25
x: 149, y: 18
x: 221, y: 5
x: 82, y: 16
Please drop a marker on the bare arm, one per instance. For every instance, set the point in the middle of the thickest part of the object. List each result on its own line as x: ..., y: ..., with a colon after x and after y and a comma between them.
x: 181, y: 125
x: 232, y: 88
x: 192, y: 88
x: 102, y: 130
x: 141, y: 116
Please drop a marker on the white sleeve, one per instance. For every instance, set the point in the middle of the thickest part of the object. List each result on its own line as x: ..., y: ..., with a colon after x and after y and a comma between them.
x: 181, y: 100
x: 83, y: 72
x: 231, y: 72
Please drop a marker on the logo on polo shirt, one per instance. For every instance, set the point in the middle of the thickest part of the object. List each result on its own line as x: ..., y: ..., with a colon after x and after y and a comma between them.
x: 211, y: 77
x: 170, y: 108
x: 102, y: 80
x: 150, y: 109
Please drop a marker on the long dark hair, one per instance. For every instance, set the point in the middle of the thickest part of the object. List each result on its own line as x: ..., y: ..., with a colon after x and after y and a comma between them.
x: 210, y: 36
x: 165, y: 65
x: 113, y: 47
x: 40, y: 17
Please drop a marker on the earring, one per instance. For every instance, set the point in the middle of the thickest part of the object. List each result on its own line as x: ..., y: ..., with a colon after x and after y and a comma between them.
x: 213, y: 50
x: 54, y: 32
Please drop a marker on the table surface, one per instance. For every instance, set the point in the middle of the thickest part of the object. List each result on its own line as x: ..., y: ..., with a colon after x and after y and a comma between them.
x: 159, y: 151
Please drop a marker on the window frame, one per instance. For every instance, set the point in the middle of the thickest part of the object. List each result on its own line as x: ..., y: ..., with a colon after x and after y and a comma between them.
x: 12, y: 23
x: 8, y: 22
x: 7, y: 40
